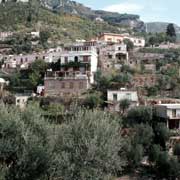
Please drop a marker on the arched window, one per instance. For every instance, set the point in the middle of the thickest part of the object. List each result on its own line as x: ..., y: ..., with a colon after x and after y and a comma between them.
x: 76, y: 59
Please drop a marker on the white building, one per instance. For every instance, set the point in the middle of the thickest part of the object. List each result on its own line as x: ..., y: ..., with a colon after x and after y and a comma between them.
x: 35, y: 34
x: 170, y: 113
x: 4, y: 35
x: 115, y: 96
x: 137, y: 41
x: 86, y: 55
x: 119, y: 38
x: 21, y: 100
x: 23, y: 61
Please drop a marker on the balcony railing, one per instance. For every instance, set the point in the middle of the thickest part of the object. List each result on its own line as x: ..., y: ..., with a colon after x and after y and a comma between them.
x: 68, y: 75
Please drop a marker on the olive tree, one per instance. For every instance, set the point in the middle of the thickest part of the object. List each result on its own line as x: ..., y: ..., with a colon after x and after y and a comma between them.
x: 88, y: 146
x: 23, y: 144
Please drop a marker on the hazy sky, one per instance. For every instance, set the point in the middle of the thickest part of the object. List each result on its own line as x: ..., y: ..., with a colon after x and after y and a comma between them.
x: 149, y: 10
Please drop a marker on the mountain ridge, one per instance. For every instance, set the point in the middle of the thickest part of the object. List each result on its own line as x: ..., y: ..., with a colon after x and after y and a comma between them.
x: 157, y: 27
x: 76, y: 8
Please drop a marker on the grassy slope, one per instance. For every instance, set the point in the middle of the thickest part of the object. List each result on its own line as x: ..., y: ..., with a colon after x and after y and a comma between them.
x: 13, y: 17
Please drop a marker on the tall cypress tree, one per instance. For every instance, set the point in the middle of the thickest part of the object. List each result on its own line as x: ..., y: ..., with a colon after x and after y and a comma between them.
x: 171, y: 33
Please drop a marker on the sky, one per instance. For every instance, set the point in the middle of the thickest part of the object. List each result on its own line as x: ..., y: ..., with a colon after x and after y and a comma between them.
x: 149, y: 10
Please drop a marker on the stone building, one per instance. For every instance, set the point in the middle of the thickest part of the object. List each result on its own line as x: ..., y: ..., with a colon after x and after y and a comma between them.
x: 113, y: 56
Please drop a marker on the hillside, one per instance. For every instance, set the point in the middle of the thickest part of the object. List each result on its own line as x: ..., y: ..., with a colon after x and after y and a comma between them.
x: 62, y: 26
x: 154, y: 27
x: 73, y: 7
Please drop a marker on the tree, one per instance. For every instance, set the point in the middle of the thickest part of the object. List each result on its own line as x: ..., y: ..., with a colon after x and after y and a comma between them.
x: 124, y: 105
x: 23, y: 140
x: 88, y: 146
x: 129, y: 43
x: 135, y: 155
x: 167, y: 167
x: 171, y: 33
x: 44, y: 36
x: 161, y: 134
x: 154, y: 153
x: 139, y: 115
x: 36, y: 73
x: 152, y: 91
x: 176, y: 151
x: 144, y: 135
x: 152, y: 40
x: 93, y: 101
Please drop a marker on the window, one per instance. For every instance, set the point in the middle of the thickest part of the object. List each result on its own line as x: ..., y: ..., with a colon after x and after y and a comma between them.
x: 66, y: 59
x: 71, y: 85
x: 110, y: 56
x: 76, y: 59
x: 50, y: 85
x: 114, y: 97
x: 119, y: 48
x: 63, y: 85
x: 173, y: 113
x: 85, y: 58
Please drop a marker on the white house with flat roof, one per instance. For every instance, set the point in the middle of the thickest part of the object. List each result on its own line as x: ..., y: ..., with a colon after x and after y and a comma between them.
x: 119, y: 38
x: 83, y: 54
x: 170, y: 113
x: 115, y: 96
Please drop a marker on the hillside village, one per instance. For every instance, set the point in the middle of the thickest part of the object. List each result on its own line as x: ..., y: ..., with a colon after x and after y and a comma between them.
x: 104, y: 105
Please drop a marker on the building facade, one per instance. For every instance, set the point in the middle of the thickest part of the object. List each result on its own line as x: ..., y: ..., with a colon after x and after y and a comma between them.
x: 119, y: 38
x: 113, y: 56
x: 115, y: 96
x: 77, y: 67
x: 66, y: 87
x: 170, y: 113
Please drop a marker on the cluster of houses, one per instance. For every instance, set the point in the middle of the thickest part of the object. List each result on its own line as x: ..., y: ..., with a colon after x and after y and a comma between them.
x: 78, y: 64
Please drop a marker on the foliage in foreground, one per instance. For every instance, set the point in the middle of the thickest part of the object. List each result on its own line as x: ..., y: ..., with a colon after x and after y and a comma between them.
x: 87, y: 146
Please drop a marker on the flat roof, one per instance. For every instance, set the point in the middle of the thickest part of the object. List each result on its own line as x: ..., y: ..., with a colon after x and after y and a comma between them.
x: 122, y: 35
x: 170, y: 106
x: 121, y: 90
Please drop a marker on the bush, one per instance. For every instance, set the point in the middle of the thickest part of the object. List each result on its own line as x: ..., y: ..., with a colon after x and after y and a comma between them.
x: 161, y: 134
x: 139, y: 115
x: 135, y: 155
x: 176, y: 151
x: 167, y: 167
x: 154, y: 153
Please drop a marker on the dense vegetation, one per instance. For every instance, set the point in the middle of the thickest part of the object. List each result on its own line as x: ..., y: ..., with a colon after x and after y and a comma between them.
x: 27, y: 17
x: 88, y: 145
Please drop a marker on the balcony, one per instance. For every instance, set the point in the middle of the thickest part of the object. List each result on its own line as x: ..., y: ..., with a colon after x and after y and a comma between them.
x: 174, y: 116
x: 75, y: 64
x: 67, y: 75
